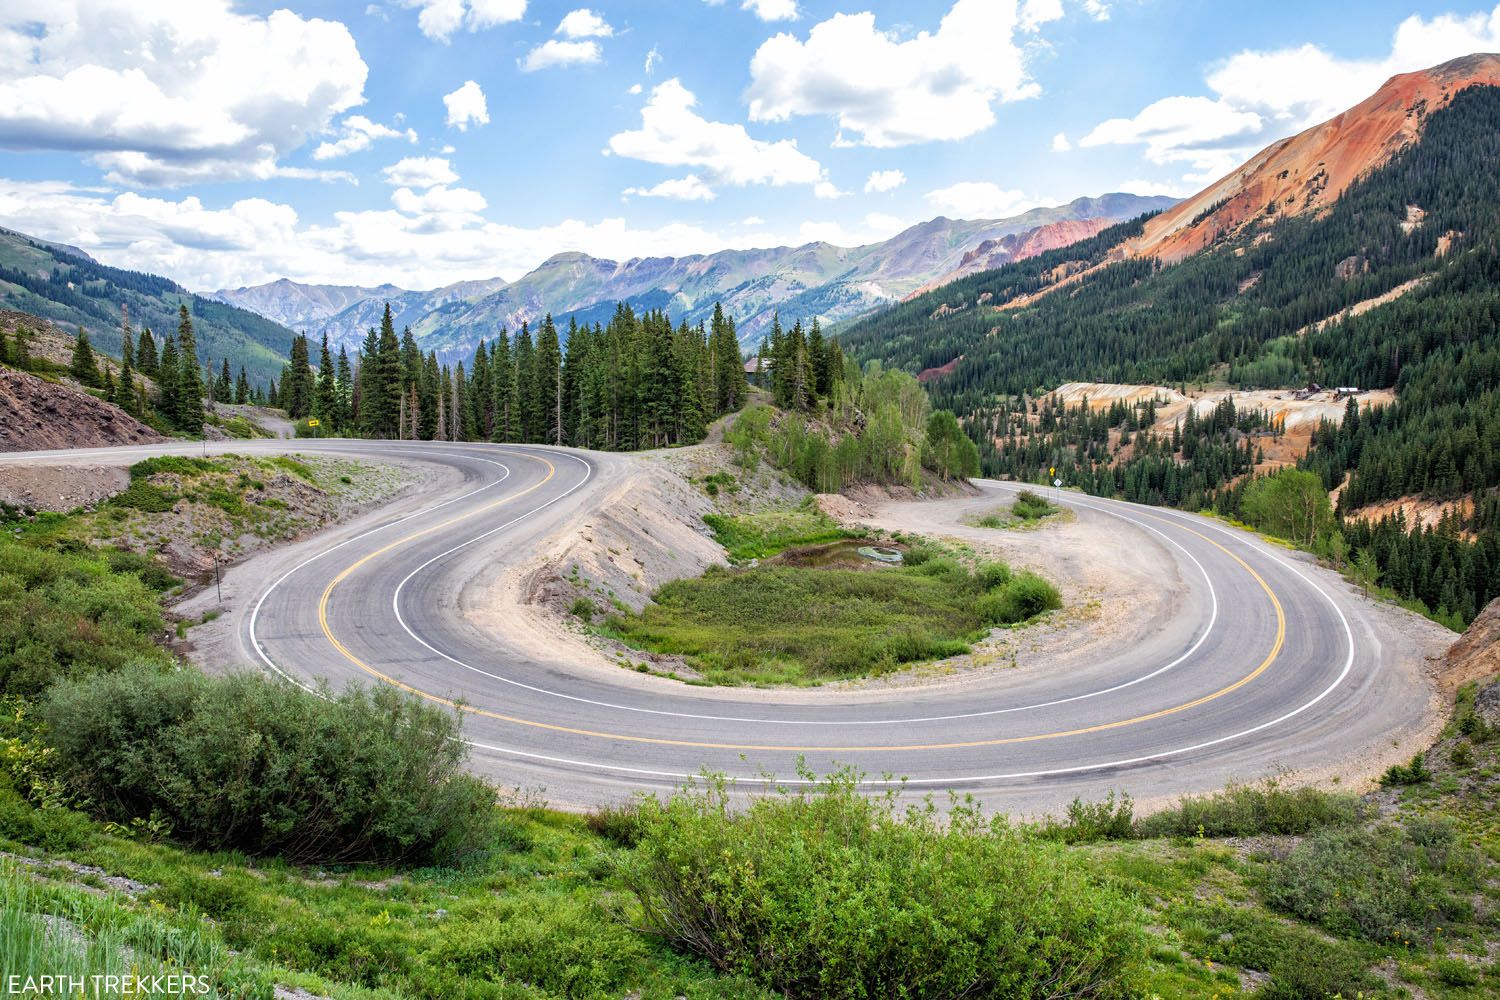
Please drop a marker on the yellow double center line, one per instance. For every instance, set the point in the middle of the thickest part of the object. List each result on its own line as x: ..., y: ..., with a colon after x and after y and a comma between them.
x: 697, y: 744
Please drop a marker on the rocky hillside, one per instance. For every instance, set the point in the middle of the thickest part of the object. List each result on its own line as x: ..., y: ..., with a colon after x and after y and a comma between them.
x: 1307, y: 172
x: 817, y: 279
x: 1476, y: 655
x: 994, y: 253
x: 36, y: 414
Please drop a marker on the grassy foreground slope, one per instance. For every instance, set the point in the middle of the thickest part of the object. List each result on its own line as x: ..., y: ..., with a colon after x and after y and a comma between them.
x: 216, y: 837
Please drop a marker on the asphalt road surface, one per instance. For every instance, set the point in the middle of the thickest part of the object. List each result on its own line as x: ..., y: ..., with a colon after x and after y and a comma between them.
x: 1265, y: 665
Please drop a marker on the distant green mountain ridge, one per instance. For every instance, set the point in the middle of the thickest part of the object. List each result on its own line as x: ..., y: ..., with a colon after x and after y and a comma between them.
x: 66, y: 286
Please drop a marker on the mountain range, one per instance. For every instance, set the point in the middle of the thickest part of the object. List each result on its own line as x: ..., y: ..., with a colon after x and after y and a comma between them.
x: 1218, y: 277
x: 817, y: 279
x: 66, y: 286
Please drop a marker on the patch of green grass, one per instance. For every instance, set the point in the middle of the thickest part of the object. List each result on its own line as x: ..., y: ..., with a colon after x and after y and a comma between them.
x: 286, y: 463
x: 146, y: 497
x: 775, y: 624
x: 760, y: 536
x: 182, y: 465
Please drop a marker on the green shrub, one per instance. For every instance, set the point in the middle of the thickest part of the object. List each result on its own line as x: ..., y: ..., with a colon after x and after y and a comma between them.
x: 1253, y: 810
x: 569, y: 947
x: 991, y: 575
x: 182, y: 465
x: 1031, y: 507
x: 835, y: 895
x: 1028, y: 595
x: 150, y: 572
x: 226, y: 500
x: 1382, y: 884
x: 583, y: 609
x: 66, y: 614
x: 1112, y: 818
x: 1414, y: 773
x: 145, y: 496
x: 1456, y: 972
x: 51, y: 828
x: 619, y: 824
x: 244, y: 763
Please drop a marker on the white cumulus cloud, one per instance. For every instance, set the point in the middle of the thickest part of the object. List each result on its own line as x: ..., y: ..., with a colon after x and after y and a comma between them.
x: 420, y: 172
x: 884, y: 180
x: 356, y: 133
x: 766, y: 10
x: 1060, y: 143
x: 1261, y: 96
x: 467, y: 106
x: 689, y: 188
x: 173, y: 93
x: 885, y: 90
x: 439, y: 19
x: 980, y: 200
x: 673, y: 134
x: 584, y: 23
x: 555, y: 53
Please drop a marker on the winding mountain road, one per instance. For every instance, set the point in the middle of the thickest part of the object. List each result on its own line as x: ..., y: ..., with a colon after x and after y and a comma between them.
x: 1267, y: 662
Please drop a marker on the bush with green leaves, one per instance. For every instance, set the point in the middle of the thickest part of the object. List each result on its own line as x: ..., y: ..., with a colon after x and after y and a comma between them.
x: 832, y: 894
x: 1383, y: 884
x: 245, y: 763
x: 1031, y: 507
x: 1414, y: 772
x: 1110, y: 818
x: 1269, y: 807
x: 67, y: 613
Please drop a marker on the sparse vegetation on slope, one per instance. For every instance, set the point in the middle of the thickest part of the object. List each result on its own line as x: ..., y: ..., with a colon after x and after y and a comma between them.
x: 765, y: 533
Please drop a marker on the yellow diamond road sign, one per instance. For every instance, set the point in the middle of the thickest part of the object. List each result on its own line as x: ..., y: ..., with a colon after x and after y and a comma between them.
x: 312, y: 423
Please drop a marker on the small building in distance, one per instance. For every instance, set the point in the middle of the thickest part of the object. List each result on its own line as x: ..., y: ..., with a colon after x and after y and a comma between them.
x: 758, y: 371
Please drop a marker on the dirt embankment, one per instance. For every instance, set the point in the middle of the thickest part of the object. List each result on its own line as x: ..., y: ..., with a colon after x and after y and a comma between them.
x: 1476, y: 654
x: 59, y: 489
x: 649, y: 530
x: 37, y: 415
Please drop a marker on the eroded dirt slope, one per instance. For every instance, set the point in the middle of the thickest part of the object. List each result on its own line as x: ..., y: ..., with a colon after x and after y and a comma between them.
x: 36, y: 414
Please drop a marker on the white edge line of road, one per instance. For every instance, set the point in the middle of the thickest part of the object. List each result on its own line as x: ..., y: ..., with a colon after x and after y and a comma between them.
x: 255, y: 611
x: 984, y: 778
x: 903, y: 782
x: 1207, y: 631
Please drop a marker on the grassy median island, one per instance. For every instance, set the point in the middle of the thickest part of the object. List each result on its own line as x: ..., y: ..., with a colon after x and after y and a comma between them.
x: 1028, y: 510
x: 822, y: 612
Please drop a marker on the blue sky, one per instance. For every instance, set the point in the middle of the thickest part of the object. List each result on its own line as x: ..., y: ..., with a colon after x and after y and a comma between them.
x: 428, y: 141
